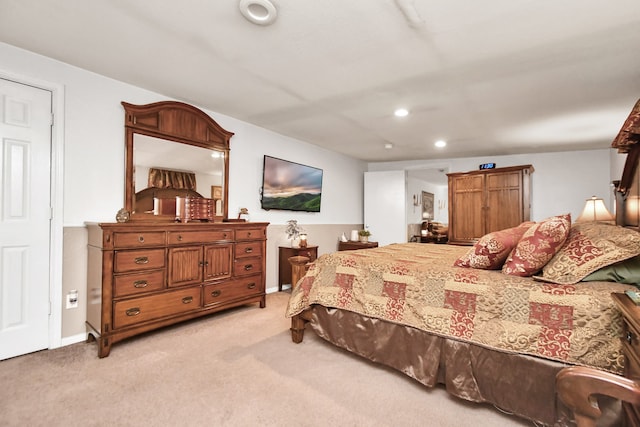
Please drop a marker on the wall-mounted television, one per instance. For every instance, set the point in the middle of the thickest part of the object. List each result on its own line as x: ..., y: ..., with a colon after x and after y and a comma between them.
x: 290, y: 186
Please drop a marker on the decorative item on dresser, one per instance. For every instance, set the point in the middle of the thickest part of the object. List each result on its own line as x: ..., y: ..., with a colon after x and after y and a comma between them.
x: 177, y: 256
x: 363, y: 235
x: 487, y: 200
x: 284, y: 268
x: 352, y: 246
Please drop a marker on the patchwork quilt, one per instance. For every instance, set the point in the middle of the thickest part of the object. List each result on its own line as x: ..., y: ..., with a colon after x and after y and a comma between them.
x: 417, y: 285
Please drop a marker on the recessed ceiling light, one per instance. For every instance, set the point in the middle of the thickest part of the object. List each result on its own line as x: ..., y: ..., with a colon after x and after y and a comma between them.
x: 260, y: 12
x: 388, y: 146
x: 440, y: 144
x: 401, y: 112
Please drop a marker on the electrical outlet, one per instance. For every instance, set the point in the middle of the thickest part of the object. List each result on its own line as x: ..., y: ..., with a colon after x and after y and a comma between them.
x: 72, y: 299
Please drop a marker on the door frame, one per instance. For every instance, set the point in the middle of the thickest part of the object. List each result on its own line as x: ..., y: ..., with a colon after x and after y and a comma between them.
x: 57, y: 208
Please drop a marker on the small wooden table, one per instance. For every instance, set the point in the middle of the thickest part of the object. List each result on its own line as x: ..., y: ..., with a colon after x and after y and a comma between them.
x: 352, y: 246
x: 284, y: 268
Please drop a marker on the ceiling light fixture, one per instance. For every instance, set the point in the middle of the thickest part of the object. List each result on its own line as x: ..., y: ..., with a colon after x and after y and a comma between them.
x: 401, y: 112
x: 388, y: 146
x: 260, y: 12
x: 440, y: 144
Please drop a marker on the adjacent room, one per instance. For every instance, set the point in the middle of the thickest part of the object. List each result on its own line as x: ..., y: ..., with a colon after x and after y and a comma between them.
x: 285, y: 213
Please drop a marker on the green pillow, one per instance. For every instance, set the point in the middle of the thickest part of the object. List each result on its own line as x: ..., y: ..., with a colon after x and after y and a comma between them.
x: 627, y: 271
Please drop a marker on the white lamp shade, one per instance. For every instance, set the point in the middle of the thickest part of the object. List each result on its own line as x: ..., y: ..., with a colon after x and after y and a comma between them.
x: 595, y: 210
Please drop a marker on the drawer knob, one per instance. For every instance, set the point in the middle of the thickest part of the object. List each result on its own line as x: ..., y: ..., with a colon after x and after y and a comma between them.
x: 141, y: 239
x: 249, y: 234
x: 248, y: 267
x: 187, y: 300
x: 179, y: 237
x: 224, y: 235
x: 140, y: 284
x: 248, y: 250
x: 133, y: 311
x: 629, y: 337
x: 216, y: 293
x: 251, y: 285
x: 141, y: 260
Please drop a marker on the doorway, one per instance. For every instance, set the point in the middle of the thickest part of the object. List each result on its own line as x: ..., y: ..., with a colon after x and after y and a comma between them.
x: 25, y: 218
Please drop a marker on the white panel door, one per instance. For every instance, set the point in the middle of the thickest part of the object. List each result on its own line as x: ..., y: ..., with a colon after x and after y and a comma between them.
x: 25, y: 212
x: 385, y: 204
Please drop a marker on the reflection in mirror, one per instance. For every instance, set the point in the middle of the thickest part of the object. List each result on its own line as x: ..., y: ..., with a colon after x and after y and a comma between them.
x: 176, y: 163
x: 165, y: 169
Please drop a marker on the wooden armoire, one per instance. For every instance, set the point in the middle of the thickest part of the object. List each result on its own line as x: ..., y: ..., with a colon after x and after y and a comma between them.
x: 487, y: 200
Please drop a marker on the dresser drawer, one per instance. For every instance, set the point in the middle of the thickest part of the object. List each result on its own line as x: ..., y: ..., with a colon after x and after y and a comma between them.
x: 138, y: 240
x: 250, y: 234
x: 182, y: 237
x: 138, y: 260
x: 248, y: 249
x: 135, y: 283
x: 142, y: 309
x: 235, y: 289
x: 247, y: 266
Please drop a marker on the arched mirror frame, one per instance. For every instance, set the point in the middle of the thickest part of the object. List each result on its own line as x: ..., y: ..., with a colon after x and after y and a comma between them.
x: 178, y: 122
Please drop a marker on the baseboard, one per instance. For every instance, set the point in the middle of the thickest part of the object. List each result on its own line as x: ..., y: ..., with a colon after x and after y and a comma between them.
x: 275, y: 289
x: 74, y: 339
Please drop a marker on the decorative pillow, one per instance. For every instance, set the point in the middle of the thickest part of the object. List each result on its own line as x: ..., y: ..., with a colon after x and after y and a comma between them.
x: 589, y: 247
x: 492, y: 249
x: 537, y: 246
x: 627, y: 271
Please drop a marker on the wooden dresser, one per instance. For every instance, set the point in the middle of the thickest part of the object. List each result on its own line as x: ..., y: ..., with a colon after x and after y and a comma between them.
x: 142, y: 276
x: 487, y: 200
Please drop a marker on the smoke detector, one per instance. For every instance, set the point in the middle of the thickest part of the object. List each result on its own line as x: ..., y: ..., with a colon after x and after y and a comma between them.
x: 259, y: 12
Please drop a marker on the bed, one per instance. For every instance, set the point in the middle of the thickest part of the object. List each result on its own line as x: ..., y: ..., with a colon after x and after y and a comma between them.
x: 495, y: 330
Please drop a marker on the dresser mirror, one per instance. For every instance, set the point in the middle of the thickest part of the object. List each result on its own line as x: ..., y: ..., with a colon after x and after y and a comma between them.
x: 173, y: 150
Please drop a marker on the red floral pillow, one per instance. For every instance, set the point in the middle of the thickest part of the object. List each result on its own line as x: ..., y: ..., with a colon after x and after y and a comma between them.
x: 490, y: 252
x: 537, y: 246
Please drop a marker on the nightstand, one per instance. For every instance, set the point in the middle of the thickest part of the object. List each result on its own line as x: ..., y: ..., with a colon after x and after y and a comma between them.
x: 352, y: 246
x: 284, y: 268
x: 631, y: 350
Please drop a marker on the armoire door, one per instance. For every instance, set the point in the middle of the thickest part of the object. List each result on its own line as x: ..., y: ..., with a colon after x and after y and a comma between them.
x: 467, y: 204
x: 504, y: 200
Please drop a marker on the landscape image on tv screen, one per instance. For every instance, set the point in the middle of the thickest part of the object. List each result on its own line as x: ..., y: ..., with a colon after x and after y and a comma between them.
x: 290, y: 186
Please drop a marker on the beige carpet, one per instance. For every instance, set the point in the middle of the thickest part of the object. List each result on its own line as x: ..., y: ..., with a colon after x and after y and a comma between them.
x: 237, y: 368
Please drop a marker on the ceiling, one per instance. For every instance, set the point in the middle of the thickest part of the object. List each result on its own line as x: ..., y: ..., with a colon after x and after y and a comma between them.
x: 489, y: 77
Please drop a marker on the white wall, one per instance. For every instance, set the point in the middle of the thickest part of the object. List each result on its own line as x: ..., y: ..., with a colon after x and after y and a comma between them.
x: 561, y: 181
x: 94, y: 149
x: 93, y: 183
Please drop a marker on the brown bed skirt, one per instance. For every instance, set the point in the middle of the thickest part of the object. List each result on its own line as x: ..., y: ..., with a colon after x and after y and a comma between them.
x: 518, y: 384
